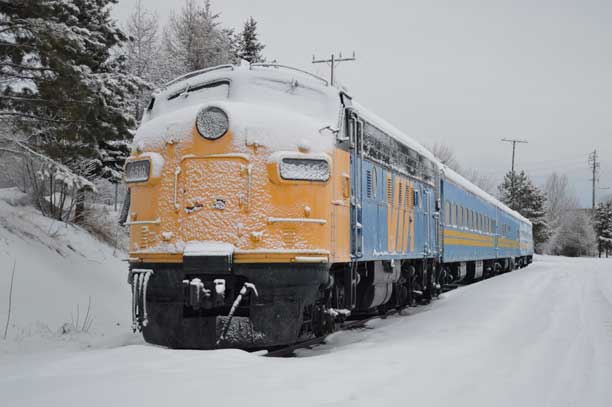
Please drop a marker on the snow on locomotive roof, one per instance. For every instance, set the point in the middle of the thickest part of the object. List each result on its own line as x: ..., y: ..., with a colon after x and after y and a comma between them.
x: 393, y: 131
x: 468, y: 186
x: 261, y: 100
x: 240, y: 73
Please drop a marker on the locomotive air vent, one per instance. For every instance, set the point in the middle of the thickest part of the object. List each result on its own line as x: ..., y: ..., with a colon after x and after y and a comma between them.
x: 410, y: 197
x: 389, y: 190
x: 369, y: 183
x: 399, y: 198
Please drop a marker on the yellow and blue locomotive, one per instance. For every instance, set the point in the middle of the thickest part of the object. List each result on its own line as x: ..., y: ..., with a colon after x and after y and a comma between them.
x: 265, y: 204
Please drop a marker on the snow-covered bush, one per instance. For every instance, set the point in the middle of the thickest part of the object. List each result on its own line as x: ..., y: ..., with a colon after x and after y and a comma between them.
x: 560, y: 205
x: 101, y: 221
x: 55, y: 190
x: 576, y: 236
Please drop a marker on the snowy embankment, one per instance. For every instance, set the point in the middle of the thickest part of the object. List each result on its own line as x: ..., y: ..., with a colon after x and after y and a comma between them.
x: 60, y: 271
x: 541, y: 336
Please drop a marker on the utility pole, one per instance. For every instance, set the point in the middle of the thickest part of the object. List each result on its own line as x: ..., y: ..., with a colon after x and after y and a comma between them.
x: 333, y: 61
x: 514, y: 142
x: 595, y: 168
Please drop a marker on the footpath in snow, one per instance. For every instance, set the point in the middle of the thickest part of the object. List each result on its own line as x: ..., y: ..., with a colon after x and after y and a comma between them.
x: 541, y: 336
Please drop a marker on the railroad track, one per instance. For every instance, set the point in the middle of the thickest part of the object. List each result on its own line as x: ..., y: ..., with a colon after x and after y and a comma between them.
x: 345, y: 326
x: 288, y: 351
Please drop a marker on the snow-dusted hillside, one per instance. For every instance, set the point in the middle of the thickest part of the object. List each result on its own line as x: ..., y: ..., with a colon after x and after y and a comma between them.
x: 59, y: 268
x: 541, y: 336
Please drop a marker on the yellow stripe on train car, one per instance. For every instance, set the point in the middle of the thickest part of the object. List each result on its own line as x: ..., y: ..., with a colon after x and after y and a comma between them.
x: 466, y: 242
x: 467, y: 235
x: 506, y: 243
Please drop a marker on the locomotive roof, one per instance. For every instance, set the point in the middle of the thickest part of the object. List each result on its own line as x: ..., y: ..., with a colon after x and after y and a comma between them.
x: 270, y: 105
x: 467, y: 185
x: 241, y: 72
x: 393, y: 132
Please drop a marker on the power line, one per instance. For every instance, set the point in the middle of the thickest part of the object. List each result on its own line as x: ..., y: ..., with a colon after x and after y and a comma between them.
x: 333, y: 61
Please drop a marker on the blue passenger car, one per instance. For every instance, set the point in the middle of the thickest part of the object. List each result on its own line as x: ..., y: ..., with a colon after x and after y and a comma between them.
x: 480, y: 234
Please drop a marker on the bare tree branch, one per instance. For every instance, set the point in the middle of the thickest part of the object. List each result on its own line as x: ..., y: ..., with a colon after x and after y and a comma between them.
x: 24, y: 99
x: 8, y: 150
x: 45, y: 119
x: 10, y: 301
x: 24, y: 67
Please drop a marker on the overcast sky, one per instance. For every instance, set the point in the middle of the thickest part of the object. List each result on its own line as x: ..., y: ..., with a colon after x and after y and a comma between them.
x: 465, y: 73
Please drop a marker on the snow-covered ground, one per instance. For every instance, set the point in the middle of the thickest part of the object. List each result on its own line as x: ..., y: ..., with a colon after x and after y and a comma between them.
x: 541, y: 336
x: 59, y: 268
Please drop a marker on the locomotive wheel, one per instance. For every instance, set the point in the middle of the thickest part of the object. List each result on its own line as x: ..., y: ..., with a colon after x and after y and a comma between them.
x: 414, y: 285
x: 429, y: 282
x: 322, y: 322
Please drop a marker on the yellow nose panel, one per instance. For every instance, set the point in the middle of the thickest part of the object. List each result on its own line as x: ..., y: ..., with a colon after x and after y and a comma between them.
x: 216, y: 191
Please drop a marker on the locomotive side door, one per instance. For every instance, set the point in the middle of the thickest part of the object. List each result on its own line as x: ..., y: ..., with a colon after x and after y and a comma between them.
x: 427, y: 219
x: 355, y: 126
x: 432, y: 222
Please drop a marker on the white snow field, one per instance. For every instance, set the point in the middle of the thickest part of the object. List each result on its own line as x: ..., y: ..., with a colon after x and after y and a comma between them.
x: 58, y: 269
x: 541, y: 336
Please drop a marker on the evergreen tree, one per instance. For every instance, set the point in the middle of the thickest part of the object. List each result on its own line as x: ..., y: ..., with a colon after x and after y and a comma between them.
x: 520, y: 194
x: 603, y: 227
x: 60, y: 82
x: 249, y: 47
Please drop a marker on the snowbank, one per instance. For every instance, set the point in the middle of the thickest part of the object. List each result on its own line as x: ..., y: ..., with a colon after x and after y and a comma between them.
x: 59, y: 268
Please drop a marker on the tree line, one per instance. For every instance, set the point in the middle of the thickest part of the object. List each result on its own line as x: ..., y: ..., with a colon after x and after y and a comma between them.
x: 560, y: 226
x: 194, y: 38
x: 73, y: 82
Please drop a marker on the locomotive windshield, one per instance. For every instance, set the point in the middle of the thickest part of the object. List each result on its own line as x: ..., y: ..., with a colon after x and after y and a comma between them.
x: 204, y: 91
x: 192, y: 92
x: 292, y: 94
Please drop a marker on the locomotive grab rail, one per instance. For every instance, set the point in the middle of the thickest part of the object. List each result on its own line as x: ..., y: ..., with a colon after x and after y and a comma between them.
x: 143, y: 222
x: 211, y: 156
x: 265, y: 65
x: 297, y: 220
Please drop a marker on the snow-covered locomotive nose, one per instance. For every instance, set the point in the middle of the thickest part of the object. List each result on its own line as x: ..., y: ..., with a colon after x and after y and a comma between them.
x: 232, y: 228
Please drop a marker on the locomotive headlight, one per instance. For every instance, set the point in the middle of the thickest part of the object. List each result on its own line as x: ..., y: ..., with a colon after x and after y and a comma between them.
x: 304, y: 169
x: 137, y: 171
x: 212, y: 123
